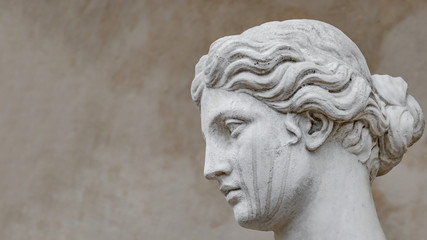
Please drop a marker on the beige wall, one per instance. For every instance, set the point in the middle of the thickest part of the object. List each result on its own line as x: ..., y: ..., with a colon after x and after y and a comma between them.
x: 99, y: 137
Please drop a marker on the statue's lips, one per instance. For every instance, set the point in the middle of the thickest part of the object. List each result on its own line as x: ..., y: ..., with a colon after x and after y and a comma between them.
x: 227, y: 189
x: 232, y: 194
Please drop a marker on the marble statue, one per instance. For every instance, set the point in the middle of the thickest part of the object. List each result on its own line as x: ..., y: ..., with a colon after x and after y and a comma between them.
x: 297, y: 128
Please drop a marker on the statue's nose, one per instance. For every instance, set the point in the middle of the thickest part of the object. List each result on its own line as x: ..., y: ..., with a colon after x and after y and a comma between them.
x: 216, y: 163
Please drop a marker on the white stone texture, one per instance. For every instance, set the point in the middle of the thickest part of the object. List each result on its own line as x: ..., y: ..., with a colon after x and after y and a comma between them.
x: 296, y: 129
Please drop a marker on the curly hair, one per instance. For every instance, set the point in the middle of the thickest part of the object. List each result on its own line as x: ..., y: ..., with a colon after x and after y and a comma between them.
x: 307, y: 67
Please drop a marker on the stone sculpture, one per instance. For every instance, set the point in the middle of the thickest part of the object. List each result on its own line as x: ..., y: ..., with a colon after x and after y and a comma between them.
x: 297, y: 128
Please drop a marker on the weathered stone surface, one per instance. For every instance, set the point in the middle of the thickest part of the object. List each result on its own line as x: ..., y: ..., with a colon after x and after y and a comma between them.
x: 297, y: 128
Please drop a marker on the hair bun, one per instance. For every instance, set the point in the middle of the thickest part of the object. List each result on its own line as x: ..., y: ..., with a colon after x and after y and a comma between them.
x: 405, y: 120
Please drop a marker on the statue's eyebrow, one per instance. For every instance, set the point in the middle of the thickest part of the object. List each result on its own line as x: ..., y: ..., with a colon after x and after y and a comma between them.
x: 215, y: 120
x: 219, y: 118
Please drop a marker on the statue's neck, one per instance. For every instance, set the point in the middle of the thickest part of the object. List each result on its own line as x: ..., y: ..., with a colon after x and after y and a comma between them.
x: 341, y: 208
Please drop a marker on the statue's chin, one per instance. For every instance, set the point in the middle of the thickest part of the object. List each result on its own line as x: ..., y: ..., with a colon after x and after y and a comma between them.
x: 248, y: 220
x: 258, y: 219
x: 255, y: 224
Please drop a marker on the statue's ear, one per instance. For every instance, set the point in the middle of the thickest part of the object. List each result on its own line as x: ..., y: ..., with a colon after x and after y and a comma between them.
x: 316, y: 130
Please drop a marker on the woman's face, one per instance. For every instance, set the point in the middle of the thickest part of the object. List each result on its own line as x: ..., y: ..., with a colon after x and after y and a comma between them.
x: 262, y: 168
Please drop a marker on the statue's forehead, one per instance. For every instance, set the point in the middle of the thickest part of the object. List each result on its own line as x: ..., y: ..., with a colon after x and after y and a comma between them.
x: 216, y: 101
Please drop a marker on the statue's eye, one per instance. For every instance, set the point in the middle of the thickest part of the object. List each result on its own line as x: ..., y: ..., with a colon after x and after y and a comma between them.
x: 234, y: 126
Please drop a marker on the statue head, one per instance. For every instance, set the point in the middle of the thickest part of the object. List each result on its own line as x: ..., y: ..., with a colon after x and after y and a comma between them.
x: 274, y: 96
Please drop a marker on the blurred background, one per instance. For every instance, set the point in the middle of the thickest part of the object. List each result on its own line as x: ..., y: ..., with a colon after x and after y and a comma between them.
x: 99, y: 136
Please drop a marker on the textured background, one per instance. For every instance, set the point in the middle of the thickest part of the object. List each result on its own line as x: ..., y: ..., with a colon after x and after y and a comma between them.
x: 99, y: 137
